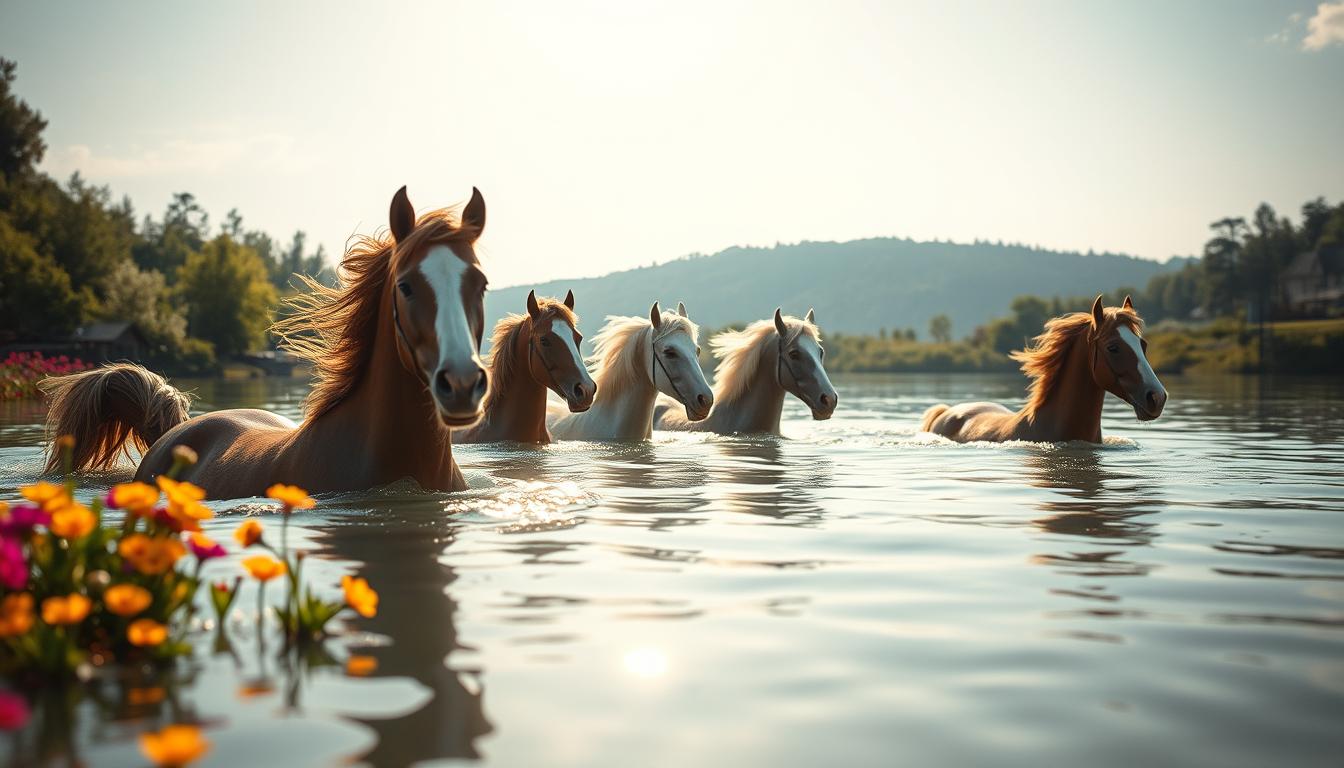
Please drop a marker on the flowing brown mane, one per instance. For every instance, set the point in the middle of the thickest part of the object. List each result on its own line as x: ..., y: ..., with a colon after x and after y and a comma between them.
x: 335, y: 329
x: 1044, y: 359
x: 505, y: 336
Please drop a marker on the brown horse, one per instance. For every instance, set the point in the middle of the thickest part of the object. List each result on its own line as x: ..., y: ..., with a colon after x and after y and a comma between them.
x: 528, y: 355
x: 1078, y: 359
x: 396, y: 355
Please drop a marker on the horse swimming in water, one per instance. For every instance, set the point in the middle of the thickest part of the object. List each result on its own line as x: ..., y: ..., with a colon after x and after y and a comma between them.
x: 758, y: 366
x: 1074, y: 363
x: 530, y: 354
x: 637, y: 358
x: 396, y: 353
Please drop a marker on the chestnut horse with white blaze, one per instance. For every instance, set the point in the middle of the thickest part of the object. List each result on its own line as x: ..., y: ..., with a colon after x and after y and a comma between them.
x: 758, y: 366
x: 396, y: 355
x: 1078, y: 359
x: 530, y: 354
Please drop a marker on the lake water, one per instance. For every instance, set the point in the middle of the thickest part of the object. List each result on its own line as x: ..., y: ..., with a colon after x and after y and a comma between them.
x: 855, y: 594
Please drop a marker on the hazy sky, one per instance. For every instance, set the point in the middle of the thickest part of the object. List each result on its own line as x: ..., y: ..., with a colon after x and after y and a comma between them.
x: 612, y: 135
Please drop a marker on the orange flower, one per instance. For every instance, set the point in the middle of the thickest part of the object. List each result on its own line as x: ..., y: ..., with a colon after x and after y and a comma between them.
x: 46, y: 495
x: 70, y: 609
x: 151, y: 556
x: 248, y: 533
x: 292, y: 496
x: 136, y: 498
x: 146, y: 633
x: 16, y: 614
x: 175, y: 745
x: 264, y: 567
x: 360, y: 666
x: 360, y: 596
x: 139, y: 697
x: 127, y: 599
x: 184, y: 502
x: 72, y: 520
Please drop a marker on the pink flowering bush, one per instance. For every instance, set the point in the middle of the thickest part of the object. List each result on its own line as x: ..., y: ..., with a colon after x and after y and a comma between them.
x: 21, y: 372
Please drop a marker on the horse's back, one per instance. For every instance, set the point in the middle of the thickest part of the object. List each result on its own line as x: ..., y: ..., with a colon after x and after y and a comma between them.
x: 966, y: 422
x: 240, y: 440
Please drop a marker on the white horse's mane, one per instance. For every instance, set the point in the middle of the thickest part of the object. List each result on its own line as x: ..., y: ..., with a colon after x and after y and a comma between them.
x: 621, y: 348
x: 740, y: 353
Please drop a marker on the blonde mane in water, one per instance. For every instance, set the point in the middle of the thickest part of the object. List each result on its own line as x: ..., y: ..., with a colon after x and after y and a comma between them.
x: 1044, y: 360
x: 740, y: 353
x: 334, y: 328
x: 621, y: 349
x: 500, y: 360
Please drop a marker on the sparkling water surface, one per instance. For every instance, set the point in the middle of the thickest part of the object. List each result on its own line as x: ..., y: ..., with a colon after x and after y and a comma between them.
x: 854, y: 594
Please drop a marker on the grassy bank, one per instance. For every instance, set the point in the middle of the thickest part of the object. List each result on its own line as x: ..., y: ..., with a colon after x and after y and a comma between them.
x: 1223, y: 346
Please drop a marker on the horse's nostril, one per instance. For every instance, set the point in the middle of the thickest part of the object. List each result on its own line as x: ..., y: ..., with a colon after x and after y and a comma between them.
x: 825, y: 400
x: 482, y: 381
x: 1153, y: 402
x: 578, y: 391
x: 702, y: 400
x: 443, y: 383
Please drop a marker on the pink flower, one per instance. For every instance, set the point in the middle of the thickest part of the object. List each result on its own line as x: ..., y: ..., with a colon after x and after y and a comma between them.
x: 204, y: 548
x: 21, y: 519
x: 13, y: 711
x: 13, y: 568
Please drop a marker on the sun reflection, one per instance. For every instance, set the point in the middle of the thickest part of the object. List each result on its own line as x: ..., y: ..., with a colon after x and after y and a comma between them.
x: 646, y: 662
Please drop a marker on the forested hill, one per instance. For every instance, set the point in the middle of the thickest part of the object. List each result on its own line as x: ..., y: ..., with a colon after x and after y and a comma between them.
x: 859, y: 286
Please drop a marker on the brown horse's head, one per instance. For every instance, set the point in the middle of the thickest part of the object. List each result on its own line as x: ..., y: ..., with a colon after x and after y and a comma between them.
x: 437, y: 305
x: 553, y: 357
x: 800, y: 370
x: 1120, y: 362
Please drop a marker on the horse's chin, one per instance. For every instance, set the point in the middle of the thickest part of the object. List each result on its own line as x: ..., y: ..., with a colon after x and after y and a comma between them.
x: 1143, y: 415
x: 822, y: 415
x: 578, y: 407
x: 697, y: 415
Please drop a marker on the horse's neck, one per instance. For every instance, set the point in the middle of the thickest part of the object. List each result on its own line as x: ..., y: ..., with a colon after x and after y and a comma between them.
x: 626, y: 414
x: 518, y: 411
x: 754, y: 408
x: 389, y: 422
x: 1072, y: 408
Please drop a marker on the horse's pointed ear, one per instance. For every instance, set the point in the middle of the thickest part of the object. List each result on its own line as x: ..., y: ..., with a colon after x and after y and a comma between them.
x: 681, y: 309
x: 532, y: 308
x: 569, y: 299
x: 811, y: 316
x: 401, y: 216
x: 656, y: 316
x: 473, y: 215
x: 1129, y: 304
x: 779, y: 323
x: 1098, y: 314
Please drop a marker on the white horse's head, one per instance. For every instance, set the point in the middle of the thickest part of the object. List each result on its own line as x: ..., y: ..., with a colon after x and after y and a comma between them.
x: 799, y: 369
x: 674, y: 361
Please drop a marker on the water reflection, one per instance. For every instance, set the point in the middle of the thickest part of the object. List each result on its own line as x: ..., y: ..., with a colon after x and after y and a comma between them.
x: 402, y: 545
x: 763, y: 476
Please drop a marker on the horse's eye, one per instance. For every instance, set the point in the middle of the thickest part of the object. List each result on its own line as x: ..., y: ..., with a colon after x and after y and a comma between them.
x: 670, y: 352
x: 1113, y: 348
x: 697, y: 351
x: 405, y: 288
x: 823, y: 354
x: 793, y: 354
x: 545, y: 341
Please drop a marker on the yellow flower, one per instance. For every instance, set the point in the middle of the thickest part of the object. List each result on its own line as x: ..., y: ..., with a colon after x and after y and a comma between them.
x: 46, y: 495
x: 263, y: 567
x: 139, y: 697
x: 360, y: 666
x: 16, y: 614
x: 184, y: 454
x: 136, y: 498
x: 66, y: 442
x: 360, y: 596
x: 248, y: 533
x: 146, y: 633
x: 184, y: 502
x: 292, y: 496
x: 151, y: 556
x: 72, y: 520
x: 127, y: 599
x: 70, y: 609
x: 175, y: 745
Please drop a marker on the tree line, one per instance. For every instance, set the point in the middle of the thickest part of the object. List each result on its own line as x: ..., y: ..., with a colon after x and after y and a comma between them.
x: 71, y: 254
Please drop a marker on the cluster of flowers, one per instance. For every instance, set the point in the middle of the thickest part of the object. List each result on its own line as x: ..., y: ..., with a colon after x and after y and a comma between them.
x: 76, y: 595
x: 21, y: 371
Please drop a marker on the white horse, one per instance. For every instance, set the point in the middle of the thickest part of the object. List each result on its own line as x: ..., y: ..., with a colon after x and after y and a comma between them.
x: 635, y: 359
x: 757, y: 366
